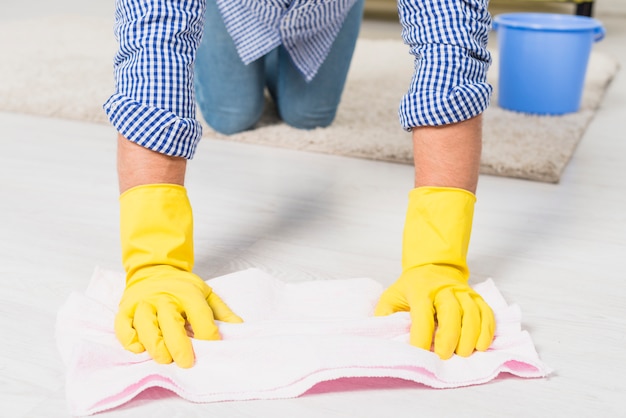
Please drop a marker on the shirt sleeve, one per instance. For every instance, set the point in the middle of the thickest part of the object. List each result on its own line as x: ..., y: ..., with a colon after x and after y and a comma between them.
x: 154, y: 104
x: 449, y: 41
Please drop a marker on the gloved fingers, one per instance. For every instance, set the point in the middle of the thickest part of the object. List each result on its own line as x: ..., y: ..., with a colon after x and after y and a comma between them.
x: 172, y: 325
x: 200, y: 317
x: 149, y: 333
x: 221, y: 311
x: 390, y: 302
x: 470, y: 324
x: 449, y: 323
x: 125, y: 332
x: 487, y: 325
x: 422, y: 323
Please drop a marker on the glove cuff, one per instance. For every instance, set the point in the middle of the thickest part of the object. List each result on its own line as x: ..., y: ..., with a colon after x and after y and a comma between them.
x: 156, y: 228
x: 438, y: 228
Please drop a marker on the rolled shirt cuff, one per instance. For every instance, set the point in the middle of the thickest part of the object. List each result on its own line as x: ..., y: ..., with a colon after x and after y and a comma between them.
x: 153, y: 128
x: 448, y: 86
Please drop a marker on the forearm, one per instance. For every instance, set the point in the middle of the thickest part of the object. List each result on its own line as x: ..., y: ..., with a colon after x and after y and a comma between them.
x: 448, y: 155
x: 138, y: 166
x: 448, y: 92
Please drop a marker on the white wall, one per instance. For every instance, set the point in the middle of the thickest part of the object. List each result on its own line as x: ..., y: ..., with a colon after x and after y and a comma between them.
x: 600, y: 7
x: 387, y: 8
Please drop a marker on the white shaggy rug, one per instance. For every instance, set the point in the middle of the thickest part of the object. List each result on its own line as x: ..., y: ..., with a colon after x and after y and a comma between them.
x: 62, y: 67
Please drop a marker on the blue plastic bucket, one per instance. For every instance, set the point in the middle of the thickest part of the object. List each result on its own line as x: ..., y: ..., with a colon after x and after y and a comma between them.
x: 543, y: 60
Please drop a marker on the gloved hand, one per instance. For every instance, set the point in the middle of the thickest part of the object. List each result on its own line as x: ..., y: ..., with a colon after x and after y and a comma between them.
x: 161, y: 293
x: 433, y: 284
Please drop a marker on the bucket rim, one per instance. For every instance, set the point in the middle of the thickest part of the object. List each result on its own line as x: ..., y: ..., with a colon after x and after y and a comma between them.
x: 547, y: 22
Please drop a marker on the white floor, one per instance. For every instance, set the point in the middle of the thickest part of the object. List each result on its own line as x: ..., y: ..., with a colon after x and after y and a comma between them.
x: 556, y: 250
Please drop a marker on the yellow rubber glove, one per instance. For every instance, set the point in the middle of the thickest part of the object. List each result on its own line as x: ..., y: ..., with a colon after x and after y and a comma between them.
x: 433, y: 284
x: 162, y: 294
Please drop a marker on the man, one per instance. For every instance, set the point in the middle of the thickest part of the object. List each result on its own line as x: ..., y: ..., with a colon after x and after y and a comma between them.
x: 300, y: 50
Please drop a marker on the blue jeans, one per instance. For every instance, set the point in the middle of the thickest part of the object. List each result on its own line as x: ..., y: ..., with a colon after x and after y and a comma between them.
x: 230, y: 94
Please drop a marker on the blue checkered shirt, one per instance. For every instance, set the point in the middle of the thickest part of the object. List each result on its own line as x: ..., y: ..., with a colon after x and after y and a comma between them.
x: 154, y: 104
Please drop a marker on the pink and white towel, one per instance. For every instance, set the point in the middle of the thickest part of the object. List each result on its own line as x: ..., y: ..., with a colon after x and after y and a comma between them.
x: 295, y: 336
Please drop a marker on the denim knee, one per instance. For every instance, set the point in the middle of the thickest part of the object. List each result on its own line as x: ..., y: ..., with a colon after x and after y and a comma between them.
x: 307, y: 118
x: 232, y: 120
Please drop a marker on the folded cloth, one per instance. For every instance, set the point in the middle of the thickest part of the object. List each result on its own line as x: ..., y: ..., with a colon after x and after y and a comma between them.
x: 295, y: 336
